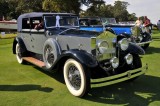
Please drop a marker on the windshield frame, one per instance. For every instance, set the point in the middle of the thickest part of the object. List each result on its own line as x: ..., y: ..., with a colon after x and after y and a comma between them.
x: 68, y: 26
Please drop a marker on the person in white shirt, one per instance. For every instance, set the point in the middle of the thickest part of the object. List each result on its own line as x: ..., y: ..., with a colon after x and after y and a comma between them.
x: 138, y: 22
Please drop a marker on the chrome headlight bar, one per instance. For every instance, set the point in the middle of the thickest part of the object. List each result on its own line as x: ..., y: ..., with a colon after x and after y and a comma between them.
x: 103, y: 46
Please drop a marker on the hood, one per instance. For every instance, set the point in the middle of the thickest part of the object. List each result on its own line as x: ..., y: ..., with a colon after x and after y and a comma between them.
x: 120, y: 29
x: 79, y: 33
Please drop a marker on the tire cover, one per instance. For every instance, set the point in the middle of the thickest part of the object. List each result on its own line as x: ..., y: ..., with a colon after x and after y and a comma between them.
x: 56, y: 51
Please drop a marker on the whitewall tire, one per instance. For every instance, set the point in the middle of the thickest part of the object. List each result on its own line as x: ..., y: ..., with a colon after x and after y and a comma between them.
x: 76, y: 78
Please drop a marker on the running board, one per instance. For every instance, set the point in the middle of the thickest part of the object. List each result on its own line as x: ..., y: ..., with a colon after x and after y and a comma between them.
x: 34, y: 61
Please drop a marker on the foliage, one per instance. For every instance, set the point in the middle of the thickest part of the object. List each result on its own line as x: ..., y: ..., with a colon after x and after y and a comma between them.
x: 94, y: 8
x: 13, y: 8
x: 118, y: 11
x: 4, y: 7
x: 62, y: 6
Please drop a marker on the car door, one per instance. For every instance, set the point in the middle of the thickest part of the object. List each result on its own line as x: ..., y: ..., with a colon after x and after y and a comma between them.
x: 37, y: 36
x: 25, y: 33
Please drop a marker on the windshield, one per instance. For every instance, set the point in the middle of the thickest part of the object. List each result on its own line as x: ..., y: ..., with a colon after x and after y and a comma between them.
x: 92, y: 22
x: 109, y: 21
x: 95, y: 22
x: 61, y: 21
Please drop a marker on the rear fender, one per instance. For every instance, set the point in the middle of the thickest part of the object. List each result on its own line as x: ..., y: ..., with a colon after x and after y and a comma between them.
x: 21, y: 44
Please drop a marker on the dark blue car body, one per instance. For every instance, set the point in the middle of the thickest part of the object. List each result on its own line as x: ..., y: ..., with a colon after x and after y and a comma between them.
x: 100, y: 24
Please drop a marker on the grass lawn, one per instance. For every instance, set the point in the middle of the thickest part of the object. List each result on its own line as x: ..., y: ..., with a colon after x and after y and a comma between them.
x: 26, y: 85
x: 7, y: 36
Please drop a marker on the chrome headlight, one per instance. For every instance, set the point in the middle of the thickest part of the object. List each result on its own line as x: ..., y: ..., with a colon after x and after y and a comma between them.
x: 124, y: 43
x: 114, y: 62
x: 102, y: 46
x: 140, y: 38
x: 129, y: 58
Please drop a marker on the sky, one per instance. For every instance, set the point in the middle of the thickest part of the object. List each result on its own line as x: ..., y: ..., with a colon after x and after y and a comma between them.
x: 149, y: 8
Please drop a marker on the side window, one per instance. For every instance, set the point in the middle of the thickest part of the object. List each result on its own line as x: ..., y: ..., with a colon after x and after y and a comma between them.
x: 37, y: 23
x: 25, y: 23
x: 50, y: 21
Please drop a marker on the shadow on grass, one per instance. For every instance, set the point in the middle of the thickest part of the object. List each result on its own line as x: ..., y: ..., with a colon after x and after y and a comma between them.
x: 152, y: 50
x: 25, y: 87
x: 140, y: 92
x: 57, y: 75
x: 156, y: 38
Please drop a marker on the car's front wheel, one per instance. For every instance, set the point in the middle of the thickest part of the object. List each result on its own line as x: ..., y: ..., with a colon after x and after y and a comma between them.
x: 19, y: 54
x: 77, y: 79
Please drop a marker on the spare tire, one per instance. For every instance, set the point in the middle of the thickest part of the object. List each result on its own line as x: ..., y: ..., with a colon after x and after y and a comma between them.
x: 51, y: 51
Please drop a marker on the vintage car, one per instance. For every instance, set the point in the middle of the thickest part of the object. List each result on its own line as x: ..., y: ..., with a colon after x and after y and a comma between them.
x: 140, y: 37
x: 82, y: 55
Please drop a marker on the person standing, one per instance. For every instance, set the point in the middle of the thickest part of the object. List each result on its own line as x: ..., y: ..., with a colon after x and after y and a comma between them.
x: 138, y: 26
x: 147, y: 24
x: 138, y: 22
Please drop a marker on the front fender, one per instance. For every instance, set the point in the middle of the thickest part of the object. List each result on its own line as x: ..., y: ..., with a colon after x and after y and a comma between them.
x: 135, y: 49
x: 81, y: 56
x: 21, y: 43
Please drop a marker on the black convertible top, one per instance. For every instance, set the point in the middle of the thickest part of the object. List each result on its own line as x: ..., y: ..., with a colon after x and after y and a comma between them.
x: 37, y: 14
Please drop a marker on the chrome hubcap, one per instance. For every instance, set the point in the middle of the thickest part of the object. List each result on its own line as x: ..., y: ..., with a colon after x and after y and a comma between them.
x: 49, y: 55
x: 74, y: 77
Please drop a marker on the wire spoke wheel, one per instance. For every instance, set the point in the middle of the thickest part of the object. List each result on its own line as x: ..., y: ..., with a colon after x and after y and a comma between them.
x: 76, y: 78
x: 49, y: 55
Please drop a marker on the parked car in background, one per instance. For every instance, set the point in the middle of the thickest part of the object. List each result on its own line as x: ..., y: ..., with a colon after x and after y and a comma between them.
x: 102, y: 24
x: 91, y: 24
x: 59, y: 45
x: 158, y: 24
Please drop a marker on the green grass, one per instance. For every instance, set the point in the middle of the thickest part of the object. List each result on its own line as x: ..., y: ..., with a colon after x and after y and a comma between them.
x: 26, y: 85
x: 6, y: 36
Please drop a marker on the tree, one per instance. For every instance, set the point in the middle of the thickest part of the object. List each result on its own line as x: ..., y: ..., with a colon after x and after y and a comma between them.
x: 25, y: 6
x: 120, y: 10
x: 62, y: 6
x: 94, y: 8
x: 132, y: 17
x: 4, y: 8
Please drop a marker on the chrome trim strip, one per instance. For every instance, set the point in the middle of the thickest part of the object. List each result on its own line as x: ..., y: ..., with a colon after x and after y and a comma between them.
x: 144, y: 42
x: 120, y: 77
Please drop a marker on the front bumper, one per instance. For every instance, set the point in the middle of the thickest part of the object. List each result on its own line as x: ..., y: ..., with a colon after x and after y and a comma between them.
x: 120, y: 77
x: 143, y: 43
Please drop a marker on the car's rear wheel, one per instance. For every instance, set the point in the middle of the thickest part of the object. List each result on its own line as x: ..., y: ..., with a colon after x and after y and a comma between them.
x: 77, y: 79
x: 19, y: 54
